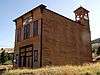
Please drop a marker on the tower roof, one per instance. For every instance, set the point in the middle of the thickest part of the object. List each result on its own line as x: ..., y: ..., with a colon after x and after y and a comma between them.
x: 81, y: 8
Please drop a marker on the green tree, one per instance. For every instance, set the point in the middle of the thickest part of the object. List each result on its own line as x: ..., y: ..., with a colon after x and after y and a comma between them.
x: 10, y: 57
x: 3, y: 57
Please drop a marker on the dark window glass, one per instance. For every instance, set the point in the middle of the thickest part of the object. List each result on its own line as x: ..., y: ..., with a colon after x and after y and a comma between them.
x: 35, y: 55
x: 35, y: 28
x: 27, y: 31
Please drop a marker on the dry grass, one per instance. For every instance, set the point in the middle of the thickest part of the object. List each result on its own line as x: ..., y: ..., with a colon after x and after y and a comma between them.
x: 87, y: 69
x: 7, y: 67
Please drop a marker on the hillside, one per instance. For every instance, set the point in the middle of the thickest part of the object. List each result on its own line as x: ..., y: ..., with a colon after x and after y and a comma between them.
x: 95, y: 41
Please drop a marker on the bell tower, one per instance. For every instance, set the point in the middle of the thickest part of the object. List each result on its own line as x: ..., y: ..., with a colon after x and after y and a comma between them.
x: 81, y: 16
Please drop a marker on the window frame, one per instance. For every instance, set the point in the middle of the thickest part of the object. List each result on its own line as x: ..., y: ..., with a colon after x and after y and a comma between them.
x: 35, y: 55
x: 27, y: 31
x: 18, y: 35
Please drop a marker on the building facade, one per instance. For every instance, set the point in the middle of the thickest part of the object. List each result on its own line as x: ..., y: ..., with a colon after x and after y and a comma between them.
x: 44, y: 37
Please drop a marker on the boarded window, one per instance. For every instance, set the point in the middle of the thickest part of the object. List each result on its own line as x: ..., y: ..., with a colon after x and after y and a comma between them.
x: 35, y: 55
x: 22, y: 58
x: 26, y: 56
x: 35, y: 28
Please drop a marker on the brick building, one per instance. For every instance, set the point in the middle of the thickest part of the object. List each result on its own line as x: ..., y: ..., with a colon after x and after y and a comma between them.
x: 44, y: 37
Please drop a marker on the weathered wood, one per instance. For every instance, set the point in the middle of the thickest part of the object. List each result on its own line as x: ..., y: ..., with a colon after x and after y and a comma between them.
x: 60, y: 40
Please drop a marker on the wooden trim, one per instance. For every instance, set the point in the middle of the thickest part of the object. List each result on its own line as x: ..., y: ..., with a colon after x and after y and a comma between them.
x: 41, y: 45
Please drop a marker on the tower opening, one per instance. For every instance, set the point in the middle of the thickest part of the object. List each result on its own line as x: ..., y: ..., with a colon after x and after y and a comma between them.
x: 81, y: 15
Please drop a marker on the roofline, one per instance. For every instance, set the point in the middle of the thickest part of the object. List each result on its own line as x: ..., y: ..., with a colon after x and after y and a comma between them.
x: 43, y: 6
x: 40, y: 6
x: 64, y: 17
x: 82, y: 8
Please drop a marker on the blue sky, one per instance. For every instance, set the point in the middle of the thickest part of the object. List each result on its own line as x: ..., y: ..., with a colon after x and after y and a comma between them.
x: 11, y: 9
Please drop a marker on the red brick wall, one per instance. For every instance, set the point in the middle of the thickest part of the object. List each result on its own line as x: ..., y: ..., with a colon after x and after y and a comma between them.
x: 62, y: 41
